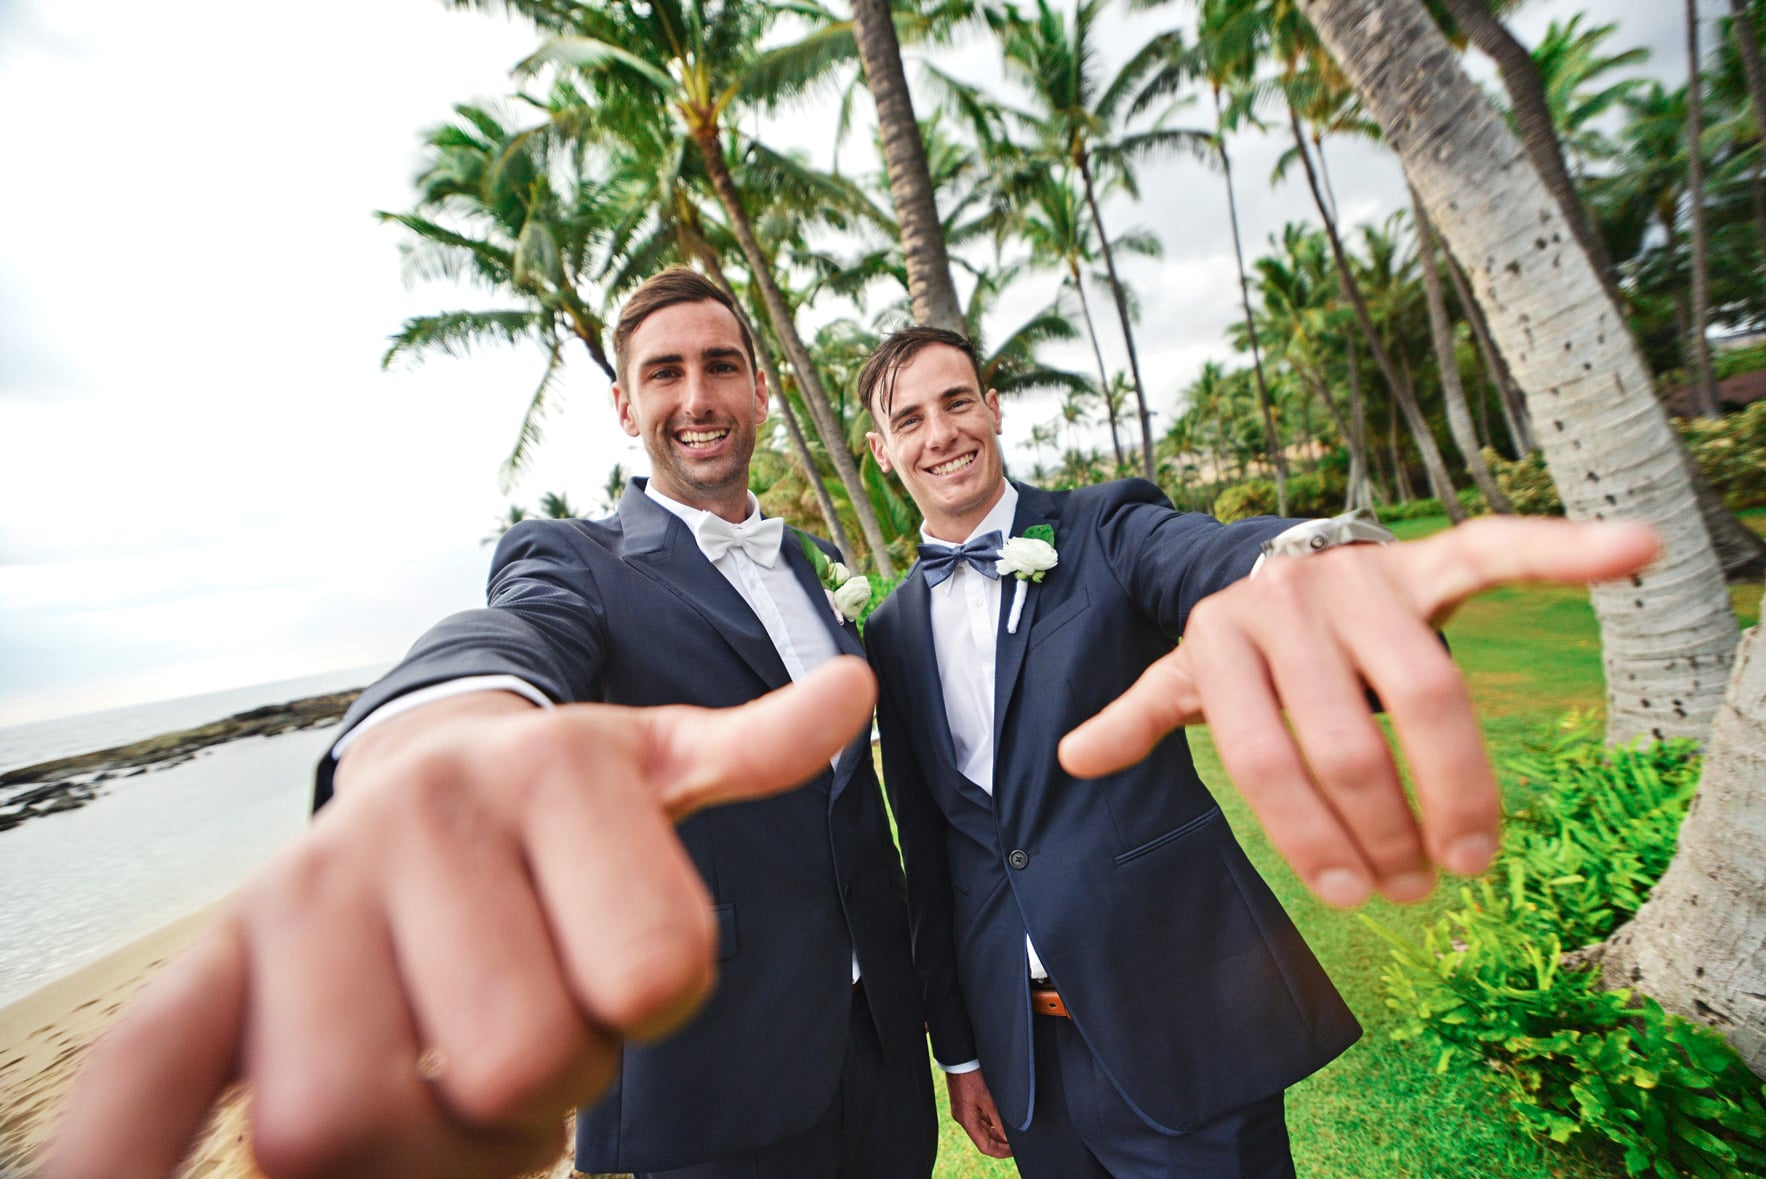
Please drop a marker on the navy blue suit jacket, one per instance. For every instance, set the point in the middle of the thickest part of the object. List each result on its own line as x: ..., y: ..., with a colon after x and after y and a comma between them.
x: 1182, y: 972
x: 628, y: 611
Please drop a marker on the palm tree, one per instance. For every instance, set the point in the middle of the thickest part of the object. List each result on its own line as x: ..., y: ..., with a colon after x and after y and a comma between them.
x: 933, y: 293
x: 1704, y: 386
x: 1077, y: 119
x: 1606, y: 440
x: 490, y: 209
x: 700, y: 59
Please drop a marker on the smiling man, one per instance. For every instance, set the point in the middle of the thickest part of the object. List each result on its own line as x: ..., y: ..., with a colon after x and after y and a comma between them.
x: 492, y: 919
x: 1110, y: 986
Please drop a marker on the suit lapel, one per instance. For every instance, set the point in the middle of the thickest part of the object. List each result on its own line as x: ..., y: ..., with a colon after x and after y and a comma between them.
x: 660, y: 546
x: 918, y: 652
x: 1035, y: 506
x: 846, y: 641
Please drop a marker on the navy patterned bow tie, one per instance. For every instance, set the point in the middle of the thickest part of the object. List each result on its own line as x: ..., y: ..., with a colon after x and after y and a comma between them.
x: 939, y: 561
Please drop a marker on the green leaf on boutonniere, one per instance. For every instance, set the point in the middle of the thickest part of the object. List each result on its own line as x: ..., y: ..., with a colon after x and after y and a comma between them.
x: 818, y: 560
x: 1042, y: 532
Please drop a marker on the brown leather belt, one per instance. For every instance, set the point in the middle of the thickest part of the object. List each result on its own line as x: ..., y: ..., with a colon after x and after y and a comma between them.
x: 1045, y: 1000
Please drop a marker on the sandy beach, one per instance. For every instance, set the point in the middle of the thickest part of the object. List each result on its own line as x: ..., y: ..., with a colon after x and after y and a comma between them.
x: 44, y: 1036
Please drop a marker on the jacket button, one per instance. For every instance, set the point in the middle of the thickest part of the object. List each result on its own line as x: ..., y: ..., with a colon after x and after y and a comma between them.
x: 1019, y: 858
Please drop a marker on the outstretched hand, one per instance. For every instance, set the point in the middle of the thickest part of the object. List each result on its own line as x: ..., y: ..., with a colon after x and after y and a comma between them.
x: 448, y: 959
x: 1305, y: 637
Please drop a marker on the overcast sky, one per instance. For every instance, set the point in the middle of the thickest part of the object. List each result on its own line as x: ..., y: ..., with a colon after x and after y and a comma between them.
x: 205, y: 479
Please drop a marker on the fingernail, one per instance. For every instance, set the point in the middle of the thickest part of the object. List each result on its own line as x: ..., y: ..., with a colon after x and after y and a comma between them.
x: 1469, y: 854
x: 1408, y: 886
x: 1341, y: 888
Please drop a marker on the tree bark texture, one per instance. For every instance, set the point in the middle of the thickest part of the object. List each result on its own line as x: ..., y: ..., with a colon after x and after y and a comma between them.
x: 1097, y: 351
x: 1532, y: 115
x: 930, y: 288
x: 785, y: 331
x: 1459, y: 415
x: 1698, y: 945
x: 1668, y: 634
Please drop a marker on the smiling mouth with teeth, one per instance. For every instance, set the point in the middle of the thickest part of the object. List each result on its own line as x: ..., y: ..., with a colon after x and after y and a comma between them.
x: 701, y: 438
x: 954, y: 465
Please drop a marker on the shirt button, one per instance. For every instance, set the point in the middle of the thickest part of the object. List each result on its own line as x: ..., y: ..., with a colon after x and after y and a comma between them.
x: 1019, y: 858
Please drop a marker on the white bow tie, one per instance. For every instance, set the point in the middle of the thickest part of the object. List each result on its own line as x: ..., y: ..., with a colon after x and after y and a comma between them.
x: 759, y: 539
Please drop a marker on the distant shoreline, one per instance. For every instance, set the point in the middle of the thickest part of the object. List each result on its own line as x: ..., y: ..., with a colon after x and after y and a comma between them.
x: 67, y: 783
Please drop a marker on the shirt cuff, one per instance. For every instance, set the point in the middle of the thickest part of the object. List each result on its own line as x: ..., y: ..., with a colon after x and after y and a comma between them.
x: 441, y: 691
x: 968, y: 1066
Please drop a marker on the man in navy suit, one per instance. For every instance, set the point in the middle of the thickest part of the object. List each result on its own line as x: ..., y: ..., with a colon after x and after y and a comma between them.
x: 1110, y: 986
x: 493, y: 775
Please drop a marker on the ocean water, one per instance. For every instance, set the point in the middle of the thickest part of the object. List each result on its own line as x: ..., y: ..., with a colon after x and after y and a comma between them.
x: 39, y: 741
x: 154, y: 847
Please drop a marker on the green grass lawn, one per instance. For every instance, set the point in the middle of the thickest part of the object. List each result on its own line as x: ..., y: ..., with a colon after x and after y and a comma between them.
x: 1380, y: 1111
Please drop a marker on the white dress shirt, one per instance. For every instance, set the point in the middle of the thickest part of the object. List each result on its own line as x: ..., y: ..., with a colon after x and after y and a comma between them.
x: 965, y: 611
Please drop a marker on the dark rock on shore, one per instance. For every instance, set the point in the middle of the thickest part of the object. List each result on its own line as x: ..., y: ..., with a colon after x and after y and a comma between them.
x: 71, y: 782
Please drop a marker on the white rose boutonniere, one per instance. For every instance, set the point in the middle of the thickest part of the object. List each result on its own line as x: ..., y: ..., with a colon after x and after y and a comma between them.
x: 1027, y: 558
x: 848, y: 592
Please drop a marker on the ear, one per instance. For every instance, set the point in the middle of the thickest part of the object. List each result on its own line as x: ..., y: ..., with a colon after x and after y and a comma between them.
x: 628, y: 416
x: 761, y: 398
x: 991, y: 399
x: 878, y: 450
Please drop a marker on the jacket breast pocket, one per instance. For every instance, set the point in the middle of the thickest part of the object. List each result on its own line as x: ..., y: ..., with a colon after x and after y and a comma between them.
x: 1171, y: 836
x: 726, y: 930
x: 1046, y: 625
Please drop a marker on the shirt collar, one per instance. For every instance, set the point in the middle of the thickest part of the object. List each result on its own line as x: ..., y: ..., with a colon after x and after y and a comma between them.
x: 690, y: 516
x: 999, y: 518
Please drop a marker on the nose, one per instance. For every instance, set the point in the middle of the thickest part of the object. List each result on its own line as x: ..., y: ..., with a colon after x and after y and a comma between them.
x: 940, y: 430
x: 696, y: 394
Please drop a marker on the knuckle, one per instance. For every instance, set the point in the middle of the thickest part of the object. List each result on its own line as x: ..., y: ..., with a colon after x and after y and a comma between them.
x: 1257, y: 759
x: 1435, y: 687
x: 302, y: 1131
x: 1351, y: 761
x: 511, y: 1077
x: 660, y: 970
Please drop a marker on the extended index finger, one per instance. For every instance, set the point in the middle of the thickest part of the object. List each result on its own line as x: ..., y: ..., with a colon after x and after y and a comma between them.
x: 1444, y: 570
x: 699, y: 757
x: 152, y: 1079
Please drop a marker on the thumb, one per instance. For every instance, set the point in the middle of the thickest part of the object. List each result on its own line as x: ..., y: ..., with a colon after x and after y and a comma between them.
x: 1163, y: 699
x: 699, y: 757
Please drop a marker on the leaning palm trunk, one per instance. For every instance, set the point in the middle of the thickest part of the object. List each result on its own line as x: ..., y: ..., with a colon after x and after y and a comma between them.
x: 1459, y: 417
x: 809, y: 382
x: 1508, y: 398
x: 1698, y: 945
x: 1271, y: 438
x: 1091, y: 333
x: 1134, y: 360
x: 904, y: 158
x: 1668, y: 635
x: 1439, y: 481
x: 1747, y: 44
x: 1699, y: 342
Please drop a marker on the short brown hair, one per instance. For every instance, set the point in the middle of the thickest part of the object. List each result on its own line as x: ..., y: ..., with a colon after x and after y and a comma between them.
x: 876, y: 381
x: 676, y: 285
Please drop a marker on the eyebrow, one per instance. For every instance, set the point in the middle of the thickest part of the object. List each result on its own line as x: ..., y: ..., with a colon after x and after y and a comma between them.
x: 715, y: 352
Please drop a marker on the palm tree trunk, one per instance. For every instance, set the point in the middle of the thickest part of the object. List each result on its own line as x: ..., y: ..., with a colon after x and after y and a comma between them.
x: 1694, y: 946
x: 1433, y: 464
x: 1668, y: 635
x: 809, y: 382
x: 1134, y: 361
x: 806, y: 460
x: 1459, y: 417
x: 1091, y: 333
x: 1362, y: 491
x: 1508, y: 398
x: 1271, y: 438
x: 904, y: 158
x: 1532, y: 115
x: 1703, y: 386
x: 1747, y: 44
